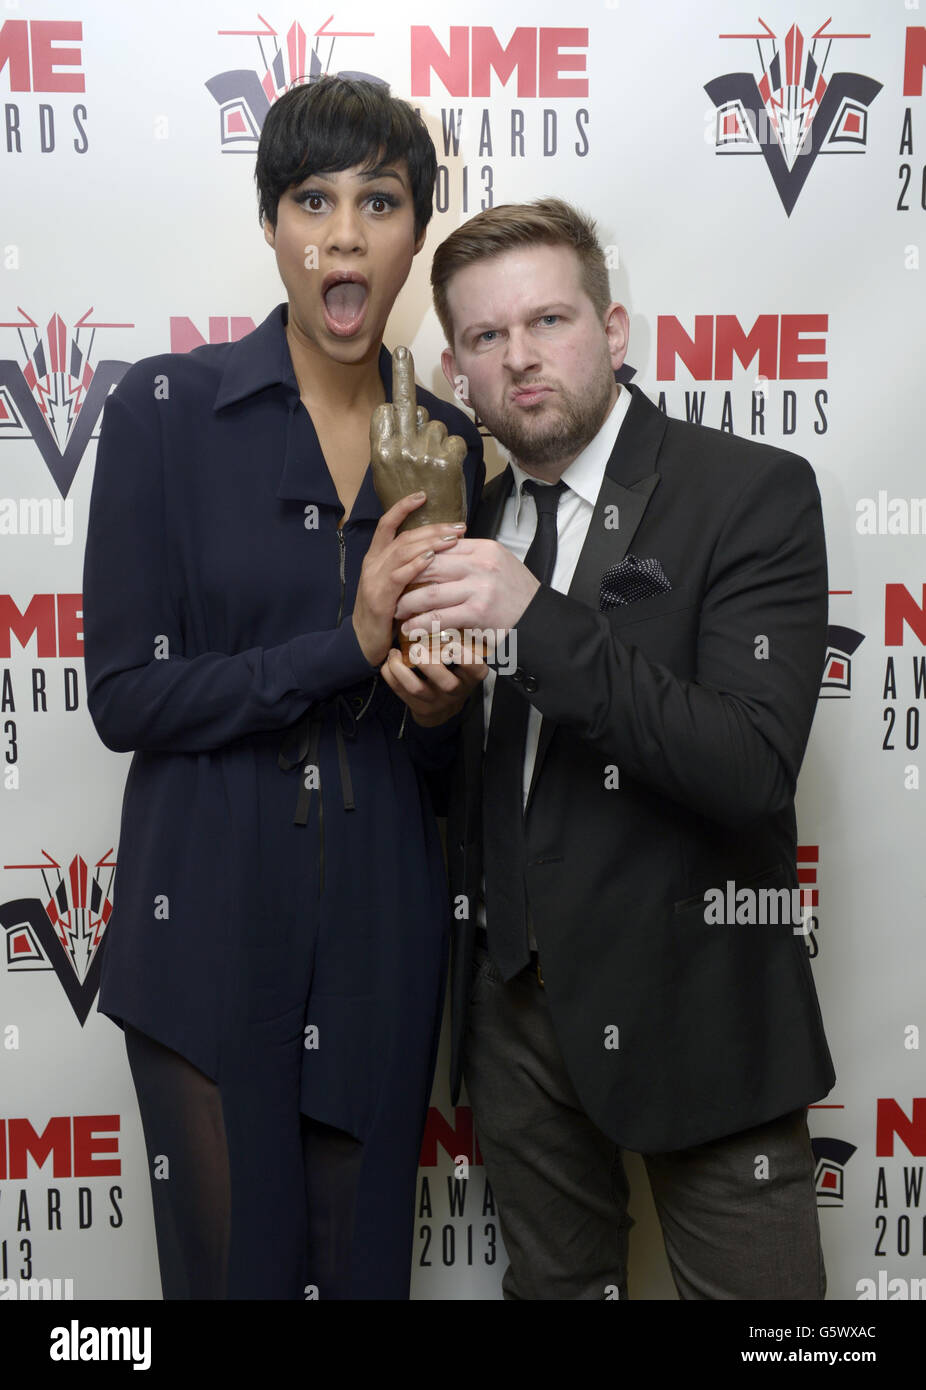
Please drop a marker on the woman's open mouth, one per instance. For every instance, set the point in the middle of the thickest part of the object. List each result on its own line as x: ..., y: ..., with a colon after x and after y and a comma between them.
x: 344, y: 302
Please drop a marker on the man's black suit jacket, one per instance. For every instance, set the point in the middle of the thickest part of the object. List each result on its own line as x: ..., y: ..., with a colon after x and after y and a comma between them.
x: 702, y: 697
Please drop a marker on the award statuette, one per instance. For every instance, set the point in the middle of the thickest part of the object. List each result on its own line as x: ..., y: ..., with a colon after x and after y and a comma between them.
x: 410, y: 453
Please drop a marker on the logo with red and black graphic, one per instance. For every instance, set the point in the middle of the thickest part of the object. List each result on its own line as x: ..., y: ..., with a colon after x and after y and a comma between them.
x: 831, y: 1157
x: 841, y: 645
x: 245, y: 95
x: 795, y: 109
x: 54, y: 395
x: 64, y: 930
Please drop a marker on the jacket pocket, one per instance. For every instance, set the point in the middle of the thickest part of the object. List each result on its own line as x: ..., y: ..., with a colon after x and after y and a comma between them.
x: 773, y: 871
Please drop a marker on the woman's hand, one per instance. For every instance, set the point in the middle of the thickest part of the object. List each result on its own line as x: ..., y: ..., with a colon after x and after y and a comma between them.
x: 433, y: 691
x: 391, y: 563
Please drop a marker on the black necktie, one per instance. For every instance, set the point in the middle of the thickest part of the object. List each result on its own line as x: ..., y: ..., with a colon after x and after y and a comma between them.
x: 503, y: 776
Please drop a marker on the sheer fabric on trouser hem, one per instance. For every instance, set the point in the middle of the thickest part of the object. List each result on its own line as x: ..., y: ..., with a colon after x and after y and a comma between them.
x: 185, y: 1138
x: 181, y: 1113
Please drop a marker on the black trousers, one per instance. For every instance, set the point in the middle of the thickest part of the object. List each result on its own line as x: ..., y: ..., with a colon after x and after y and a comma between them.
x: 191, y: 1186
x: 738, y: 1215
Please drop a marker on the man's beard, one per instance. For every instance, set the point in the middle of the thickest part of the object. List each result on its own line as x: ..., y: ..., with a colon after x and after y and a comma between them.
x: 574, y: 422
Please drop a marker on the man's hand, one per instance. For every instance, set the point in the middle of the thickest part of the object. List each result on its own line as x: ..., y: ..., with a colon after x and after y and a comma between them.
x: 391, y: 562
x: 437, y: 693
x: 477, y: 584
x: 409, y: 452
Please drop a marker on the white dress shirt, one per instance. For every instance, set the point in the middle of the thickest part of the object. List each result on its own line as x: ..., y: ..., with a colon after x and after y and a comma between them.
x: 516, y: 531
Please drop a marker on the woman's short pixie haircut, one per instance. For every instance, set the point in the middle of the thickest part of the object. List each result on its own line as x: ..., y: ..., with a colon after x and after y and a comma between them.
x: 338, y: 123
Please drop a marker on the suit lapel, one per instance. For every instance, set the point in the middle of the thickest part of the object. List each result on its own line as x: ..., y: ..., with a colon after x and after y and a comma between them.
x: 609, y: 533
x: 491, y: 505
x: 628, y: 484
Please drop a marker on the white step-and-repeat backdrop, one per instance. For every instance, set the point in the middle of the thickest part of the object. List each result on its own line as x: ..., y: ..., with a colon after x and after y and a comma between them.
x: 760, y: 183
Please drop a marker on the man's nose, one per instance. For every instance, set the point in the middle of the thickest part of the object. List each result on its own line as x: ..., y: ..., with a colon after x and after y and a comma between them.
x: 521, y: 354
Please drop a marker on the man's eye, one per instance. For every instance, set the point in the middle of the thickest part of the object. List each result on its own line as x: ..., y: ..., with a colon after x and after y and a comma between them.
x: 549, y: 318
x: 488, y: 335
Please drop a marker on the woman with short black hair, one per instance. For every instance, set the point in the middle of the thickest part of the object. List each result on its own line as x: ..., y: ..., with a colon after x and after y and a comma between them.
x: 277, y: 948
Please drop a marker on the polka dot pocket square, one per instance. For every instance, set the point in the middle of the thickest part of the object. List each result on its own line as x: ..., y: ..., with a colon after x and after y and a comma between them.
x: 630, y: 581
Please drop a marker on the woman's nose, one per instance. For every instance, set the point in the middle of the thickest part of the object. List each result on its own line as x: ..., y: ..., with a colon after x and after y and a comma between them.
x: 345, y: 231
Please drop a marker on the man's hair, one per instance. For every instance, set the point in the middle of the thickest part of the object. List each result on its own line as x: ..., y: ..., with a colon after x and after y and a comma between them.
x: 336, y: 123
x: 548, y: 221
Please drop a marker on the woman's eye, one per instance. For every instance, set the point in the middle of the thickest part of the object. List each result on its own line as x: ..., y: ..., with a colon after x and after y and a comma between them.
x: 313, y: 202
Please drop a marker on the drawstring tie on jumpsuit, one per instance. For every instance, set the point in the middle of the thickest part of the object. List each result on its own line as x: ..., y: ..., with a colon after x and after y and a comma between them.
x: 300, y: 748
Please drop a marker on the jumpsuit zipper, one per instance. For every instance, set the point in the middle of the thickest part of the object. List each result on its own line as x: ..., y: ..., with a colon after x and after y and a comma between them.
x: 341, y: 572
x: 321, y: 804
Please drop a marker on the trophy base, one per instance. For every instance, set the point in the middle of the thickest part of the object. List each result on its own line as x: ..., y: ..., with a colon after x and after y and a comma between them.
x: 406, y: 643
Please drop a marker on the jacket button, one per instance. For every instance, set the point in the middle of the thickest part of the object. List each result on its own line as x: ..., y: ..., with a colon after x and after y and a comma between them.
x: 518, y: 675
x: 530, y: 684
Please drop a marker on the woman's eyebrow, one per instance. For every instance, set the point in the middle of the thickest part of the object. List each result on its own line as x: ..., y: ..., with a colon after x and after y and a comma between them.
x: 331, y: 175
x: 383, y: 173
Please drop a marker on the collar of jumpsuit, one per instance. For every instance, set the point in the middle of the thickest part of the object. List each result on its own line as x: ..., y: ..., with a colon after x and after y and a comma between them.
x: 262, y: 360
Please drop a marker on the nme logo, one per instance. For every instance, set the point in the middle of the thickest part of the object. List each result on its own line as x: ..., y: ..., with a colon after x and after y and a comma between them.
x: 808, y: 864
x: 74, y: 1143
x: 808, y: 859
x: 56, y: 621
x: 455, y: 1139
x: 538, y: 56
x: 914, y: 61
x: 185, y: 336
x: 900, y: 607
x: 893, y: 1123
x: 29, y: 47
x: 789, y: 347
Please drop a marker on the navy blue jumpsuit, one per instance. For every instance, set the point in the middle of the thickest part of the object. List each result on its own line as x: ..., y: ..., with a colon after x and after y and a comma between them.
x: 249, y: 906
